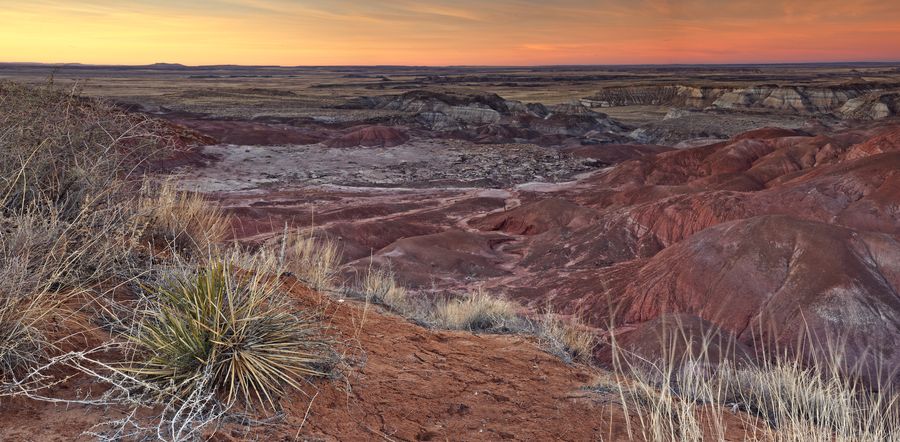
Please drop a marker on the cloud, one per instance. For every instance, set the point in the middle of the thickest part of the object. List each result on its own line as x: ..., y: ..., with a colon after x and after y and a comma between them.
x: 448, y: 32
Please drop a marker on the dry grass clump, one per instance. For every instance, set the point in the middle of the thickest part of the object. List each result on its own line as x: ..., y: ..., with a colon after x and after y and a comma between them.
x: 229, y: 332
x: 311, y: 259
x: 478, y: 311
x: 181, y: 221
x: 570, y: 340
x: 379, y: 286
x: 689, y: 398
x: 23, y: 340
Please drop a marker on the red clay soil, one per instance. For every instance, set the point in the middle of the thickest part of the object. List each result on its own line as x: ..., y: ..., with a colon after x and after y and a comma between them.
x: 773, y: 230
x: 253, y: 133
x: 771, y: 227
x: 405, y: 382
x: 397, y: 381
x: 370, y: 136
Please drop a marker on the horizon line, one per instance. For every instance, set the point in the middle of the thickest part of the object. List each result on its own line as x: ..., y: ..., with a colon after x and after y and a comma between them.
x: 181, y: 65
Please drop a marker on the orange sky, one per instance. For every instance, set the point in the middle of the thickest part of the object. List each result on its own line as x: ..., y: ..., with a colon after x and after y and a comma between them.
x: 439, y: 32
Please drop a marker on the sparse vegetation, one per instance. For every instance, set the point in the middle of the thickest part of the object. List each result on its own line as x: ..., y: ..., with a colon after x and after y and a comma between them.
x: 690, y: 398
x: 192, y: 328
x: 379, y: 286
x: 81, y: 225
x: 232, y: 324
x: 478, y: 311
x: 181, y: 221
x: 311, y: 259
x: 570, y: 340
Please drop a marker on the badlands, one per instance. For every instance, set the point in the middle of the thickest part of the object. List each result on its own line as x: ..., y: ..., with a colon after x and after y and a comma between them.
x: 759, y: 205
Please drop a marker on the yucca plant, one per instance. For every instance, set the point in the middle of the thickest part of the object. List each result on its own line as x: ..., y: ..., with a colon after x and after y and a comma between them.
x: 229, y: 331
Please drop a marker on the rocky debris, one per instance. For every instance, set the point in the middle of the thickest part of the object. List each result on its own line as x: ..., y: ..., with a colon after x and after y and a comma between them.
x: 370, y: 136
x: 416, y: 163
x: 490, y: 118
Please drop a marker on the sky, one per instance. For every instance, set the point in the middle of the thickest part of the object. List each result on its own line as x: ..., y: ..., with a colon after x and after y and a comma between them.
x: 444, y: 32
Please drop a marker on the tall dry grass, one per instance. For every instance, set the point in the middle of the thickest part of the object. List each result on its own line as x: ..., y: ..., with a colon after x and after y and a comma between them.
x: 315, y: 260
x: 570, y: 340
x: 380, y: 286
x: 693, y: 397
x: 181, y: 221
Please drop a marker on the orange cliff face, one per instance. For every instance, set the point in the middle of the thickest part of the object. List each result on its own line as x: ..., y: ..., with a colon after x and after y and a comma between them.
x: 436, y: 33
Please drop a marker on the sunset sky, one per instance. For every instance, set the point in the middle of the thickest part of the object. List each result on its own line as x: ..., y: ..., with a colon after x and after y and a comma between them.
x: 443, y: 32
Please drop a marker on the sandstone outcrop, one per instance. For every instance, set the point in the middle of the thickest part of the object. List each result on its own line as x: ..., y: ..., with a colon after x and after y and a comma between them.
x: 874, y: 106
x: 783, y: 98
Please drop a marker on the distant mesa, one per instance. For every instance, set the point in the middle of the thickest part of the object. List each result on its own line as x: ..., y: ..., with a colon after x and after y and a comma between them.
x: 167, y: 66
x: 856, y: 101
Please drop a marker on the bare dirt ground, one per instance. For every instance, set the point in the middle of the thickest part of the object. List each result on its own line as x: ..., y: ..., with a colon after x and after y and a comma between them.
x: 401, y: 382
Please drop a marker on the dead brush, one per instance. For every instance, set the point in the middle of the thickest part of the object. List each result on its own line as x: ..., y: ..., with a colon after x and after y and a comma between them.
x: 478, y: 311
x: 233, y: 325
x: 182, y: 221
x: 312, y: 259
x: 687, y: 397
x: 569, y: 340
x: 61, y: 151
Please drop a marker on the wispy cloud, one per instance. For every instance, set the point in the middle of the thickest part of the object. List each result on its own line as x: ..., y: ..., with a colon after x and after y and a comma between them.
x: 448, y: 31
